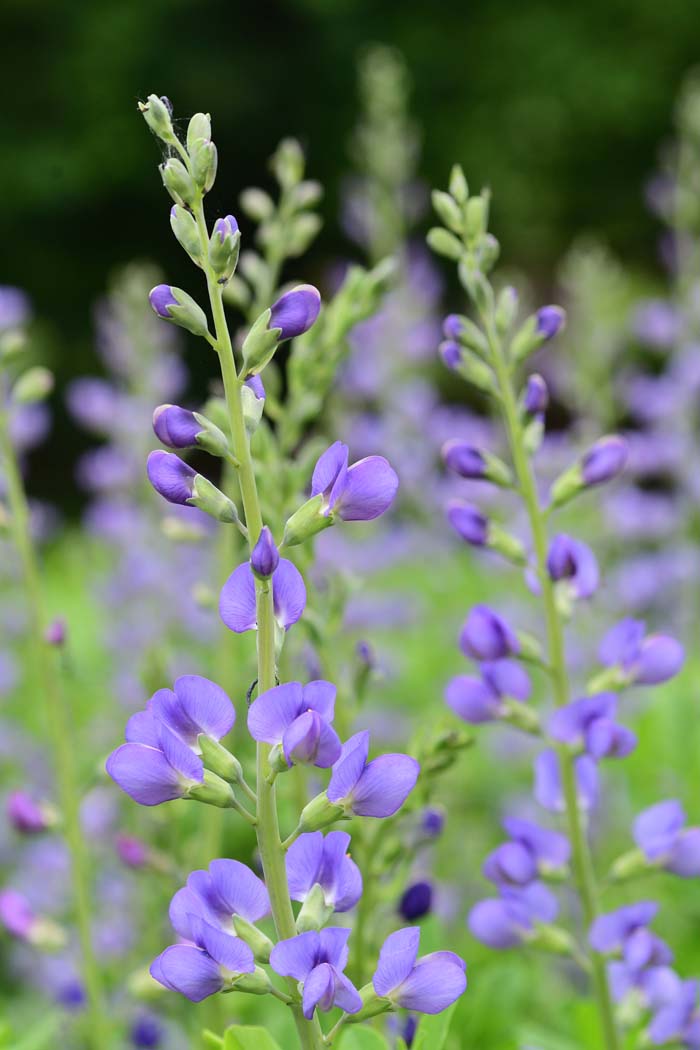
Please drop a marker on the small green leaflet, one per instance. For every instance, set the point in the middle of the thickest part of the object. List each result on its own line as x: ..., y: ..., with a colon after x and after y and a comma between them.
x: 433, y: 1030
x: 249, y: 1037
x: 357, y: 1038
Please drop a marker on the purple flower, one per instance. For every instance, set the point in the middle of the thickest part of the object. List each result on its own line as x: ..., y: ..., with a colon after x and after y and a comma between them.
x: 589, y: 723
x: 297, y: 719
x: 226, y: 228
x: 17, y: 915
x: 360, y: 492
x: 226, y: 890
x: 625, y: 930
x: 452, y: 326
x: 171, y: 477
x: 569, y: 559
x: 648, y: 660
x: 313, y: 860
x: 451, y: 354
x: 657, y: 323
x: 160, y: 762
x: 678, y: 1019
x: 295, y: 311
x: 536, y: 395
x: 661, y: 834
x: 317, y: 961
x: 468, y: 522
x: 161, y: 299
x: 464, y: 459
x: 416, y: 901
x: 255, y: 384
x: 147, y: 1031
x: 56, y: 633
x: 486, y: 636
x: 427, y: 985
x: 371, y: 789
x: 484, y: 699
x: 533, y: 851
x: 176, y: 427
x: 215, y: 960
x: 549, y: 320
x: 24, y: 814
x: 15, y: 309
x: 132, y: 852
x: 509, y: 920
x: 604, y: 460
x: 237, y: 604
x: 548, y: 787
x: 264, y: 558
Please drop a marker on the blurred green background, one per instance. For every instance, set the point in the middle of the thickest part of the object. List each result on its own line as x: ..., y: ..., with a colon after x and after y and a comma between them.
x: 560, y: 107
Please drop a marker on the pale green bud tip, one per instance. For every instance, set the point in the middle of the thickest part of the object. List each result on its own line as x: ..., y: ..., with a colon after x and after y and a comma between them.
x: 34, y: 385
x: 157, y: 112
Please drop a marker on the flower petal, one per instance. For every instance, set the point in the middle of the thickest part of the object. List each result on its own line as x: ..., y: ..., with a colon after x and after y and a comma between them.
x: 237, y: 600
x: 320, y: 696
x: 303, y: 862
x: 190, y: 971
x: 228, y: 951
x: 206, y: 705
x: 347, y: 996
x: 297, y: 956
x: 142, y: 728
x: 385, y: 785
x: 328, y: 467
x: 396, y: 960
x: 370, y: 487
x: 435, y: 982
x: 334, y: 945
x: 145, y: 774
x: 240, y: 890
x: 319, y: 990
x: 180, y: 756
x: 288, y: 594
x: 271, y: 714
x: 348, y: 769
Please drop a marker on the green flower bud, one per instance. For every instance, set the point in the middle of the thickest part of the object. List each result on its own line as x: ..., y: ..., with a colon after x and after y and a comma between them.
x: 477, y: 373
x: 301, y: 233
x: 224, y: 246
x: 510, y: 548
x: 448, y: 210
x: 287, y: 163
x: 530, y: 648
x: 476, y: 216
x: 487, y: 252
x: 33, y: 385
x: 213, y: 792
x: 156, y: 113
x: 199, y: 127
x: 183, y: 225
x: 629, y: 866
x: 213, y: 501
x: 178, y: 182
x: 306, y: 522
x: 521, y: 716
x: 13, y: 343
x: 442, y: 242
x: 566, y: 486
x: 306, y: 194
x: 257, y: 204
x: 174, y: 304
x: 219, y: 759
x: 254, y: 938
x: 458, y: 185
x: 550, y: 938
x: 204, y: 162
x: 506, y: 309
x: 314, y: 913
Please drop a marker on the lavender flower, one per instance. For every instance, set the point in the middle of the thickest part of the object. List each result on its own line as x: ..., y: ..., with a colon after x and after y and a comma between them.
x: 176, y: 427
x: 26, y: 815
x: 237, y: 605
x: 468, y: 522
x: 215, y: 960
x: 295, y: 311
x: 604, y: 460
x: 589, y: 724
x: 661, y: 834
x: 427, y: 985
x: 548, y: 787
x: 485, y: 699
x: 416, y: 901
x: 573, y: 561
x: 533, y: 851
x: 297, y: 720
x: 317, y: 861
x: 625, y: 931
x: 643, y: 659
x: 227, y: 890
x: 171, y: 477
x: 359, y: 492
x: 549, y: 320
x: 317, y: 961
x: 264, y: 557
x: 486, y: 635
x: 371, y: 789
x: 510, y: 920
x: 536, y: 395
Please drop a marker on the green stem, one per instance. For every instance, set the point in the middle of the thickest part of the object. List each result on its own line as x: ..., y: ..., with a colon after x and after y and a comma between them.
x: 581, y: 856
x: 59, y: 722
x: 267, y: 828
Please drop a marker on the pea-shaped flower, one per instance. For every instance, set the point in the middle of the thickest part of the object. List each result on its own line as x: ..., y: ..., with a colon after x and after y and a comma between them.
x: 625, y: 931
x: 571, y: 562
x: 485, y: 699
x: 666, y: 842
x: 317, y: 961
x: 359, y: 492
x: 642, y: 658
x: 532, y: 851
x: 297, y: 719
x: 486, y: 635
x: 589, y: 724
x: 160, y: 760
x: 237, y: 605
x: 548, y: 786
x: 371, y: 789
x: 317, y: 861
x: 215, y: 961
x: 510, y: 920
x: 427, y: 985
x: 228, y: 889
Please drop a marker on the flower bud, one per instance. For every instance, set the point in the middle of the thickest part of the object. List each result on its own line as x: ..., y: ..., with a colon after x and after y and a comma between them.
x: 442, y: 242
x: 27, y: 816
x: 204, y: 162
x: 257, y: 983
x: 264, y: 558
x: 198, y: 128
x: 416, y: 901
x: 458, y: 185
x: 470, y: 462
x: 306, y: 522
x: 295, y: 311
x: 287, y: 163
x: 535, y: 396
x: 604, y: 460
x: 171, y: 477
x: 476, y: 217
x: 55, y: 633
x: 219, y: 759
x: 184, y: 226
x: 132, y: 852
x: 257, y: 204
x: 537, y: 329
x: 448, y: 210
x: 506, y: 309
x: 213, y: 791
x: 178, y: 182
x: 172, y: 304
x: 629, y: 865
x: 253, y: 402
x: 33, y: 385
x: 451, y: 354
x: 468, y: 522
x: 486, y: 635
x: 157, y: 112
x: 224, y: 246
x: 254, y: 938
x: 179, y: 428
x: 464, y: 331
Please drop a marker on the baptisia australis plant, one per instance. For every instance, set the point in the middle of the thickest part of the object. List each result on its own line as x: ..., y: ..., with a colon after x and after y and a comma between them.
x: 175, y: 746
x: 627, y: 964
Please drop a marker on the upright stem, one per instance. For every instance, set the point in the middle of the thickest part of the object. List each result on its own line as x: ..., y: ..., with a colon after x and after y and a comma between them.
x: 581, y: 856
x: 60, y: 729
x: 267, y: 828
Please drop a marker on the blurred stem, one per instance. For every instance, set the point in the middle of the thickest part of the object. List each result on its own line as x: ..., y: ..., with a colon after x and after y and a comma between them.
x: 59, y: 722
x: 581, y: 856
x: 267, y: 828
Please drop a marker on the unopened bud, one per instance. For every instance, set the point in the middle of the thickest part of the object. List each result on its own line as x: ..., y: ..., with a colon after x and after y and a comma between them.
x: 33, y: 385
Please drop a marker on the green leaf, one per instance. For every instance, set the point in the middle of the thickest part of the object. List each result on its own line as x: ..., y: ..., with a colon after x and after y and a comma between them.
x: 432, y: 1030
x: 249, y: 1037
x: 358, y: 1038
x: 211, y: 1041
x: 39, y: 1036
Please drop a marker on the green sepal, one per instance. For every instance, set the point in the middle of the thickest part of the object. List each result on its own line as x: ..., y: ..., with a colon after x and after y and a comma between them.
x: 213, y: 791
x: 256, y: 983
x: 522, y: 717
x: 187, y: 314
x: 219, y: 759
x: 476, y: 372
x: 203, y: 163
x: 449, y: 210
x: 550, y: 938
x: 260, y: 344
x: 211, y: 438
x: 476, y: 217
x: 213, y: 501
x: 254, y: 938
x: 458, y: 184
x: 178, y: 182
x: 372, y: 1005
x: 223, y: 255
x: 157, y: 115
x: 630, y: 865
x: 442, y: 242
x: 506, y: 309
x: 526, y: 340
x: 184, y: 226
x: 510, y: 548
x: 319, y: 813
x: 314, y: 913
x: 199, y: 127
x: 567, y: 486
x: 33, y: 385
x: 306, y: 522
x: 253, y: 408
